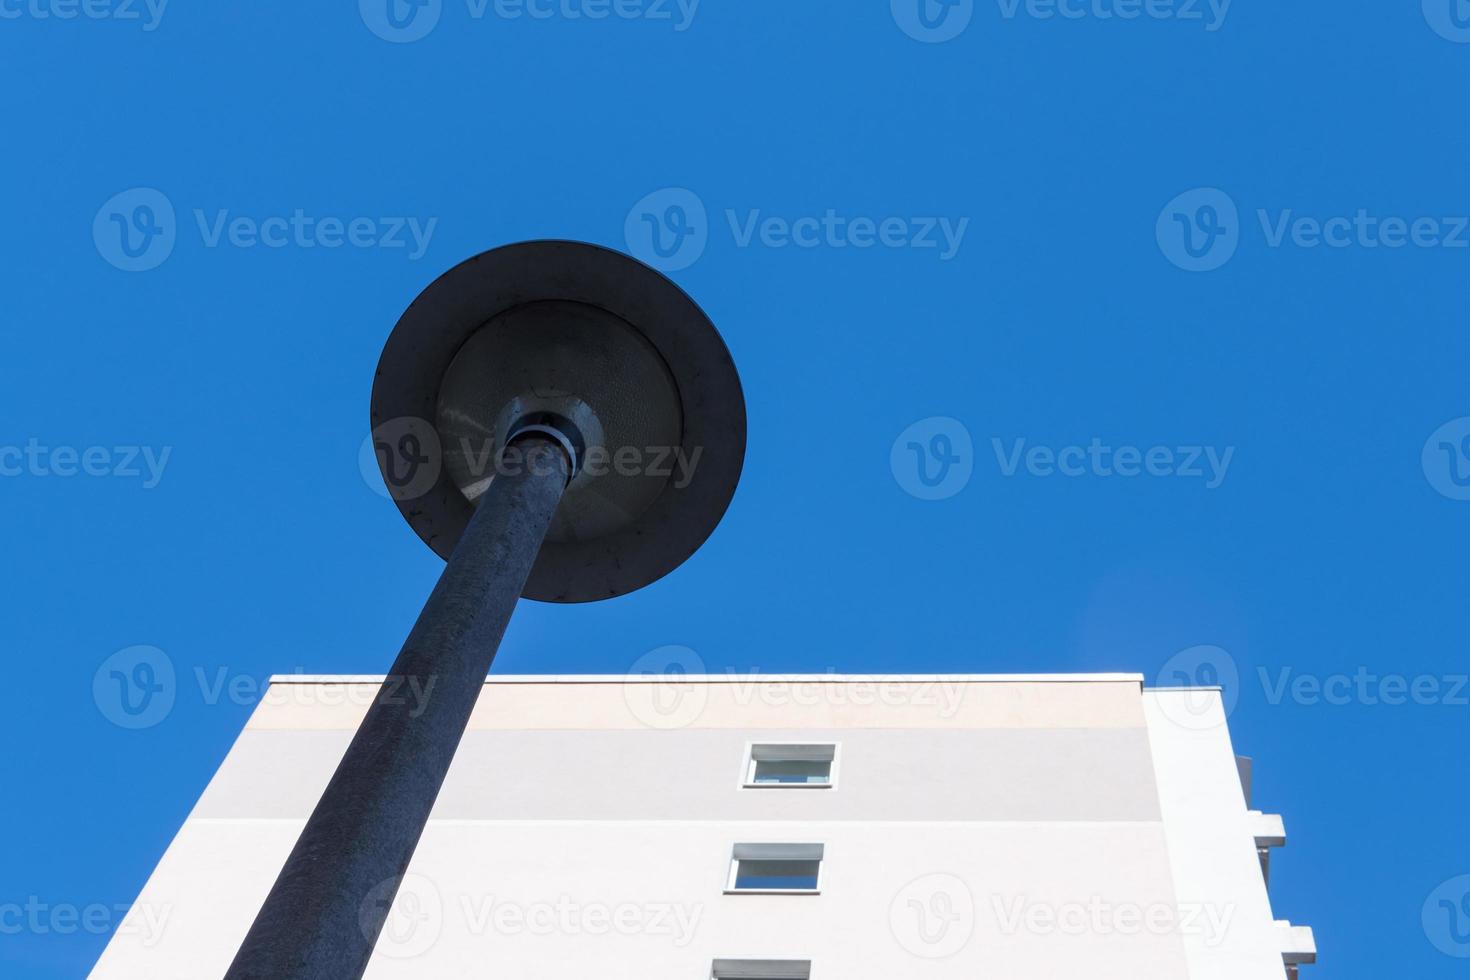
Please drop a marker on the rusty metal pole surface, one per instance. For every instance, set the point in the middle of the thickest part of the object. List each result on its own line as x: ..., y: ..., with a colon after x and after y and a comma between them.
x: 325, y: 910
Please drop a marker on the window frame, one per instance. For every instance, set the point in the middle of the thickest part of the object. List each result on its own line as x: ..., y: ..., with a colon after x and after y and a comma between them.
x: 750, y: 969
x: 775, y: 851
x: 749, y: 760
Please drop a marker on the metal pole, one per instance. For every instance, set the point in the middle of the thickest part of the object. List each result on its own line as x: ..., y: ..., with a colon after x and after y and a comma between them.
x: 313, y: 925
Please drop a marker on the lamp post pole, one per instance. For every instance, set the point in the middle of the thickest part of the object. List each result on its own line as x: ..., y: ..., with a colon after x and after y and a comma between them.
x: 324, y: 912
x: 551, y: 355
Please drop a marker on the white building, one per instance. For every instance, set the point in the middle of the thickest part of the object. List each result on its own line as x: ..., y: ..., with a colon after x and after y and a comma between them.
x: 831, y: 827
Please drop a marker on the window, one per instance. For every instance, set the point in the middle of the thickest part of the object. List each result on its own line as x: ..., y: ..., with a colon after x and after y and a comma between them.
x: 764, y: 868
x: 762, y: 970
x: 790, y: 766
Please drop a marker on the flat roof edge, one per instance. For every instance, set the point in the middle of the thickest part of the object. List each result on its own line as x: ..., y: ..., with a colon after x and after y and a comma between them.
x: 738, y: 678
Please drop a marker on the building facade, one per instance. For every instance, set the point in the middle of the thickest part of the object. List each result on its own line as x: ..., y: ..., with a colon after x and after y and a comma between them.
x: 830, y: 827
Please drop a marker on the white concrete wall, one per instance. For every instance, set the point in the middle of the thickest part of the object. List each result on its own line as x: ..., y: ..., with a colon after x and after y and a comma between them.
x: 1010, y: 828
x: 1212, y: 846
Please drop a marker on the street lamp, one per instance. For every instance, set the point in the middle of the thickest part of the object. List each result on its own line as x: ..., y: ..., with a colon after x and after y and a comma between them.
x: 557, y: 421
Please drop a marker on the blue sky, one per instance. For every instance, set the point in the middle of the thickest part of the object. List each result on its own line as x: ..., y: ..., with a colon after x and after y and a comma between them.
x: 1200, y: 233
